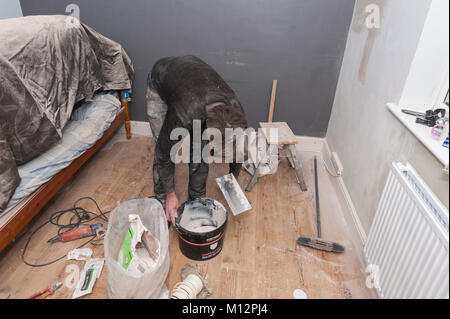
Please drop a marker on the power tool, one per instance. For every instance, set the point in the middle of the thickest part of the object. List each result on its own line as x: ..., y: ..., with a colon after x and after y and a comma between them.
x: 82, y: 231
x: 429, y: 118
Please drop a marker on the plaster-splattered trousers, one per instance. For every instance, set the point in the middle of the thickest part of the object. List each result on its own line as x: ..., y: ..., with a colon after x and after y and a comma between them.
x: 198, y: 172
x: 180, y: 90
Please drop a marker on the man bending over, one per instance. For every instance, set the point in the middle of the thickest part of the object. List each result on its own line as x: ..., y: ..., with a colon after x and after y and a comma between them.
x: 181, y: 90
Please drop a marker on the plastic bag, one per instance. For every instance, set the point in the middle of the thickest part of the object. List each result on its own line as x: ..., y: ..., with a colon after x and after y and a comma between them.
x: 268, y: 160
x: 138, y: 259
x: 121, y: 283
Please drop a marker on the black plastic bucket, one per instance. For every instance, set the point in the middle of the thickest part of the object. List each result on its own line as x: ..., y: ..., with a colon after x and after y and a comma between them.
x: 202, y: 245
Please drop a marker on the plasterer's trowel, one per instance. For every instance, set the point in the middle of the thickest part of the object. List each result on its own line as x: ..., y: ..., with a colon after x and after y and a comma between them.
x: 233, y: 194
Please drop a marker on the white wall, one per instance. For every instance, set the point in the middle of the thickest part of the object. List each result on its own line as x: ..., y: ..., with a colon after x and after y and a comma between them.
x: 427, y: 82
x: 362, y: 131
x: 10, y: 9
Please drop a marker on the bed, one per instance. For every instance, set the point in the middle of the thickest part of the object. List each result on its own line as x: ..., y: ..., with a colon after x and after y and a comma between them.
x: 63, y: 92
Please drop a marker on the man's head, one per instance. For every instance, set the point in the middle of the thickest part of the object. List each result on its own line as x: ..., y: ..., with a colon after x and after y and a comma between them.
x: 224, y: 117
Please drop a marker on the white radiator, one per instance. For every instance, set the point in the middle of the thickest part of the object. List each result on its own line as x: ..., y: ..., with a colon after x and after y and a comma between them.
x: 408, y: 241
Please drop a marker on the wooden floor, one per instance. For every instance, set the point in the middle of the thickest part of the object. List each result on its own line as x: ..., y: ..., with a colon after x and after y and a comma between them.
x: 259, y: 258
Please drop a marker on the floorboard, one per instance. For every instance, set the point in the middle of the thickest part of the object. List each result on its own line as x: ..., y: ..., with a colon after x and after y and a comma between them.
x: 259, y: 259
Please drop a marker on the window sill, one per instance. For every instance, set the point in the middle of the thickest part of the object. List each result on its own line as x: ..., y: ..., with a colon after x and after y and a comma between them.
x: 423, y: 134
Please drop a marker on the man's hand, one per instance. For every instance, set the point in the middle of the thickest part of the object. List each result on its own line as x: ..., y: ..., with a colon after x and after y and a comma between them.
x: 171, y: 207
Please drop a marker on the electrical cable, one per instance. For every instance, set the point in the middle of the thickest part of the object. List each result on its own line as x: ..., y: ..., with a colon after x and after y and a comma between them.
x: 79, y: 216
x: 328, y: 169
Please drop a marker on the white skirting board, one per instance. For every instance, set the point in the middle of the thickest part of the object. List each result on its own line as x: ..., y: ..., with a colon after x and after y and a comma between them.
x: 357, y: 232
x: 140, y: 128
x: 361, y: 233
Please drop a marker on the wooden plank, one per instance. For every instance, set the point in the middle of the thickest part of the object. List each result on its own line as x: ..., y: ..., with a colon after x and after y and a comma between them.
x: 272, y: 100
x: 239, y: 248
x: 36, y: 201
x: 126, y: 106
x: 284, y: 135
x: 259, y: 257
x: 107, y: 172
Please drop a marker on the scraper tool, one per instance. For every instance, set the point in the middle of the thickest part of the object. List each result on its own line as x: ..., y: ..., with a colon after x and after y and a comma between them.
x: 318, y: 242
x: 233, y: 194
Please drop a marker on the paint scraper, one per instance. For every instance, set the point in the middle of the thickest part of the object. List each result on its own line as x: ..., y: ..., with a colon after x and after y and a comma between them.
x: 233, y: 194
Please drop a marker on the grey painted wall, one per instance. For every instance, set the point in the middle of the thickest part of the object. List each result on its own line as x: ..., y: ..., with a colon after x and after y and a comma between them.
x: 10, y: 9
x: 249, y: 42
x: 365, y: 134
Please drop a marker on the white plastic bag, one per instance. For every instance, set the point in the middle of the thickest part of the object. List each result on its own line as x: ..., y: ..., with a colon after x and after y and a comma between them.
x: 268, y: 157
x: 134, y: 259
x: 121, y: 283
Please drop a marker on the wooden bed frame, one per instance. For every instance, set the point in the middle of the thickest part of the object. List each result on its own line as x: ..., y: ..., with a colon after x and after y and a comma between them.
x: 29, y: 207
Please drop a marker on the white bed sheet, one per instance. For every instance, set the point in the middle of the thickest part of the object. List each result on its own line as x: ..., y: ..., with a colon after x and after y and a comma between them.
x: 87, y: 126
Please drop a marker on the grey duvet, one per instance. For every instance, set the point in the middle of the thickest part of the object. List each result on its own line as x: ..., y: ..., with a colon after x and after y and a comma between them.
x: 46, y: 66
